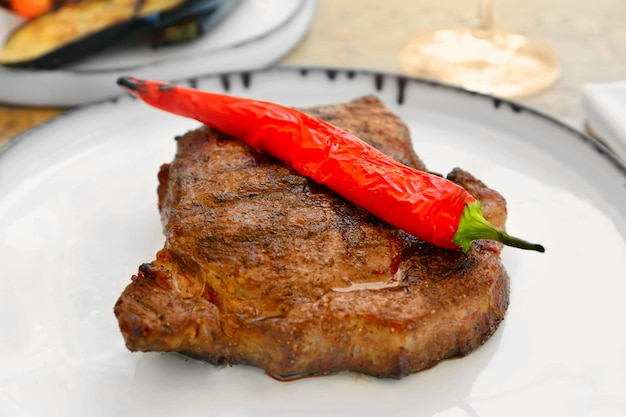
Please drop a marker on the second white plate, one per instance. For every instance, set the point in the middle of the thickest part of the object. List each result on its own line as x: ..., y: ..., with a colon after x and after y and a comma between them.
x: 256, y: 34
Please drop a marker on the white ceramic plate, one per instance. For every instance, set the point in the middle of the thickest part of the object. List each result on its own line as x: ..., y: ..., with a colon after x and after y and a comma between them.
x: 254, y: 35
x: 78, y: 216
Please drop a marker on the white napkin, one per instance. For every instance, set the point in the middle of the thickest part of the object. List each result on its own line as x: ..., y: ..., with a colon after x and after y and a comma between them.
x: 604, y: 107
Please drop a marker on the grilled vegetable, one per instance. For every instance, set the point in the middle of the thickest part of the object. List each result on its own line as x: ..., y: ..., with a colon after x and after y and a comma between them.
x: 81, y: 28
x: 427, y: 206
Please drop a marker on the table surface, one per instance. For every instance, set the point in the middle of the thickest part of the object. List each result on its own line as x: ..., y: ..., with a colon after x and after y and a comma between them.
x: 588, y: 36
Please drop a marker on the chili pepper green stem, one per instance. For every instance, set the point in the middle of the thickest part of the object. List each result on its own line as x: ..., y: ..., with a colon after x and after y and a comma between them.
x: 473, y: 225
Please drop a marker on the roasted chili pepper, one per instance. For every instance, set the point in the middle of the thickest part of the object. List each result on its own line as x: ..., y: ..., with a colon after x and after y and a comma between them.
x: 427, y: 206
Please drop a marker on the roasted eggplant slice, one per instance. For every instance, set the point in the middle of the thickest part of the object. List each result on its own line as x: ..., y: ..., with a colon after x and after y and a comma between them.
x: 83, y: 27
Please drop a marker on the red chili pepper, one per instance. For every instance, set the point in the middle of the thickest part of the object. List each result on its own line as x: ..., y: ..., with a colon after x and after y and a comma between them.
x: 427, y: 206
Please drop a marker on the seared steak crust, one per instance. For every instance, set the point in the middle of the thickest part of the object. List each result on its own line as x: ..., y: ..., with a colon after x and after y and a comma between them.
x: 262, y: 266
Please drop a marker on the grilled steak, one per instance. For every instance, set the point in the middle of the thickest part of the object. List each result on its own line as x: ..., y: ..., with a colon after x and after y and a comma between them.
x: 265, y: 267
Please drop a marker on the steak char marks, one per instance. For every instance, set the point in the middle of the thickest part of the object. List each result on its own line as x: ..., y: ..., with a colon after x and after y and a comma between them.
x: 262, y: 266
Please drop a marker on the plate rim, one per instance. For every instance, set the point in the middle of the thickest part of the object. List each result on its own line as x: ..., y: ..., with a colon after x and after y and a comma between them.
x: 332, y: 72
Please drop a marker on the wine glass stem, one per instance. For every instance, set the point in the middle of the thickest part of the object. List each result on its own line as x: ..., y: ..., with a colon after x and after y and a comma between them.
x: 484, y: 18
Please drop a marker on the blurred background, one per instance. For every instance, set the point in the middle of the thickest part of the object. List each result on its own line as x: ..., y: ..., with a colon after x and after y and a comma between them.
x: 589, y: 38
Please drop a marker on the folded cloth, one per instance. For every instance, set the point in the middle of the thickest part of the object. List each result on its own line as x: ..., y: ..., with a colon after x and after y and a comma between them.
x: 604, y: 107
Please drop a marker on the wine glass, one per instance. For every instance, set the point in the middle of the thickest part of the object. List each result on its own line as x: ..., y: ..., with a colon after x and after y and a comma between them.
x: 483, y: 58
